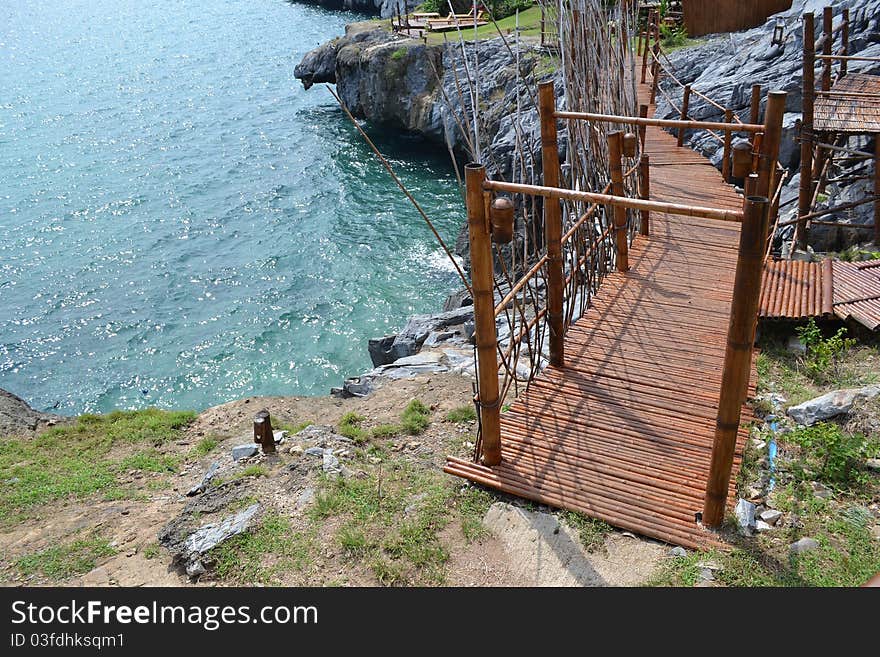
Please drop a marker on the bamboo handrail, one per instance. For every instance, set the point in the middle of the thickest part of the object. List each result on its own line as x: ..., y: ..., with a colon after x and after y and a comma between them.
x: 849, y: 58
x: 622, y: 201
x: 663, y: 123
x: 847, y: 94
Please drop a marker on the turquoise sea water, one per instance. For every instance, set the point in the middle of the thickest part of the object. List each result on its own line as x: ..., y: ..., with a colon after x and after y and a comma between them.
x: 181, y: 224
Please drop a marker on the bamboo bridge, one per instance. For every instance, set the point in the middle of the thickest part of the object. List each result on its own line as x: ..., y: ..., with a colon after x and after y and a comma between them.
x: 640, y: 417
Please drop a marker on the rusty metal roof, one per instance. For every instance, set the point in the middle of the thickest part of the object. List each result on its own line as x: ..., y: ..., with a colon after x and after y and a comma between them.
x: 840, y: 113
x: 792, y: 289
x: 857, y: 292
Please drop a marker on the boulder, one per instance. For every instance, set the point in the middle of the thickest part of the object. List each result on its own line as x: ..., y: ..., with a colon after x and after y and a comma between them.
x: 244, y: 451
x: 18, y: 418
x: 830, y: 404
x: 211, y: 535
x: 803, y: 545
x: 745, y: 514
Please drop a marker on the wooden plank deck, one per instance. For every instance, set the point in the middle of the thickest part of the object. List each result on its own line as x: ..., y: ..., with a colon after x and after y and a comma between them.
x: 624, y: 431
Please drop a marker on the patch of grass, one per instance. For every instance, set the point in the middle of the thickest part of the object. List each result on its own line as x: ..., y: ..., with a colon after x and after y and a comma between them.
x: 384, y: 528
x: 205, y: 446
x: 415, y: 418
x: 462, y: 414
x: 61, y: 562
x: 257, y: 556
x: 79, y: 459
x: 385, y: 431
x: 294, y: 429
x: 529, y: 24
x: 352, y: 539
x: 472, y: 504
x: 399, y: 54
x: 254, y: 470
x: 591, y: 532
x: 151, y: 461
x: 151, y: 551
x: 350, y: 427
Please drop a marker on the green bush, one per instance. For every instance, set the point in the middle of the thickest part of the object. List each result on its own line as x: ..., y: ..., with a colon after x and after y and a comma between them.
x: 838, y: 457
x: 431, y: 6
x: 823, y: 354
x: 499, y: 9
x: 673, y: 36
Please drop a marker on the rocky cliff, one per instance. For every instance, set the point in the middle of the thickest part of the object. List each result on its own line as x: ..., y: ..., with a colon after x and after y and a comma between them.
x: 404, y: 84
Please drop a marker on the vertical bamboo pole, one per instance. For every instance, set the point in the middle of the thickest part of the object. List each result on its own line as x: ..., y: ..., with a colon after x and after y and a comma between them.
x: 655, y: 81
x: 755, y: 108
x: 877, y: 189
x: 844, y: 41
x: 643, y: 130
x: 827, y: 42
x: 655, y: 64
x: 647, y: 44
x: 737, y: 357
x: 749, y: 184
x: 482, y: 276
x: 758, y: 142
x: 772, y: 136
x: 685, y: 104
x: 552, y: 222
x: 728, y: 139
x: 809, y: 92
x: 645, y: 193
x: 615, y: 155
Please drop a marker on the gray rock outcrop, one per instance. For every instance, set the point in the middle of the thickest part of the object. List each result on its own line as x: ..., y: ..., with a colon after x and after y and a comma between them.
x: 830, y: 404
x: 404, y: 84
x: 17, y: 418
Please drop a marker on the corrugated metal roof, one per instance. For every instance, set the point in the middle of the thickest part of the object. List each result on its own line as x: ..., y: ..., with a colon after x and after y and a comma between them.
x: 792, y: 289
x: 857, y: 292
x: 839, y: 113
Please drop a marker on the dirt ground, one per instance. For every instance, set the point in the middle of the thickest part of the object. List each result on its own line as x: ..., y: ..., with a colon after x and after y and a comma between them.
x: 505, y: 556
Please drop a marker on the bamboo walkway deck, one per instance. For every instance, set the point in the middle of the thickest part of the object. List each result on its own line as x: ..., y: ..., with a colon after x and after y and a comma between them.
x: 624, y: 431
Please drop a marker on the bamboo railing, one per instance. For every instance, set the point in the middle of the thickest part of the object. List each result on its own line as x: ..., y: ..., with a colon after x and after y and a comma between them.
x: 621, y: 215
x: 817, y: 156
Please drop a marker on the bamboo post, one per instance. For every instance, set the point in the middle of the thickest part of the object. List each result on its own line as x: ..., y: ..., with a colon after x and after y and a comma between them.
x: 645, y: 52
x: 482, y: 275
x: 615, y: 155
x: 877, y: 189
x: 655, y: 63
x: 756, y: 151
x: 685, y: 103
x: 755, y: 108
x: 827, y: 42
x: 844, y: 41
x: 770, y: 141
x: 645, y: 193
x: 552, y: 222
x: 655, y: 81
x: 643, y: 129
x: 263, y: 434
x: 728, y: 140
x: 737, y: 357
x: 806, y: 136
